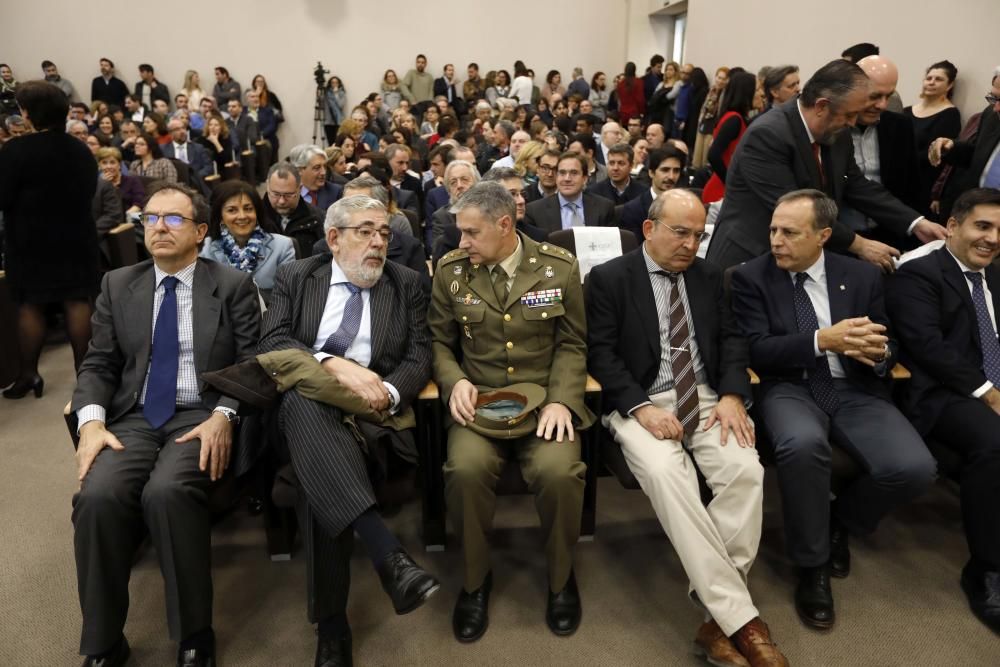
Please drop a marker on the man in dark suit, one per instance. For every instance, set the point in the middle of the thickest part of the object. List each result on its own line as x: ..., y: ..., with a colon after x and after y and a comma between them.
x: 977, y: 161
x: 662, y: 297
x: 364, y: 321
x: 149, y: 89
x: 944, y: 308
x: 310, y: 160
x: 666, y: 165
x: 267, y: 121
x: 246, y: 128
x: 398, y: 157
x: 188, y: 152
x: 151, y: 441
x: 571, y: 207
x: 804, y: 143
x: 285, y: 207
x: 446, y: 86
x: 107, y: 87
x: 548, y: 164
x: 459, y: 176
x: 618, y: 187
x: 819, y: 342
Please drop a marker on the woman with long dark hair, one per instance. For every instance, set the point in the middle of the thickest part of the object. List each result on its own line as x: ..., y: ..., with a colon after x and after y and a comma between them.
x: 741, y: 96
x: 335, y: 103
x: 631, y: 96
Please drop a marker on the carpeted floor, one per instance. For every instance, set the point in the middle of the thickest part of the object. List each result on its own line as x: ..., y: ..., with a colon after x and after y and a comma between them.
x: 900, y: 606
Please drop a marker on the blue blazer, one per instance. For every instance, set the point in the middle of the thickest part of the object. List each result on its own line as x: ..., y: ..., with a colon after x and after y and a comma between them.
x: 328, y: 194
x: 198, y: 158
x: 278, y: 250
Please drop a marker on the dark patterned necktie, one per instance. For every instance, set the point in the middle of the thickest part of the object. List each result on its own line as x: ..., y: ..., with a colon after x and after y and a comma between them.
x: 681, y: 360
x: 987, y: 335
x: 820, y: 380
x: 160, y: 402
x: 341, y: 339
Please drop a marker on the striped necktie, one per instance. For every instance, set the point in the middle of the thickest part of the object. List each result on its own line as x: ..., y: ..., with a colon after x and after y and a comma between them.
x: 681, y: 359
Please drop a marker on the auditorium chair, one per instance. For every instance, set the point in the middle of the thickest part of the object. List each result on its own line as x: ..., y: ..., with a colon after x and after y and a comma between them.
x: 121, y: 246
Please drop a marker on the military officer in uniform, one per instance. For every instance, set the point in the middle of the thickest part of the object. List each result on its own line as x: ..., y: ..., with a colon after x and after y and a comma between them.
x: 506, y: 310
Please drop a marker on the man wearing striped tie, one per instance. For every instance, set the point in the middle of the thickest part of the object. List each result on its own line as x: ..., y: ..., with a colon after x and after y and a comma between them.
x: 673, y: 369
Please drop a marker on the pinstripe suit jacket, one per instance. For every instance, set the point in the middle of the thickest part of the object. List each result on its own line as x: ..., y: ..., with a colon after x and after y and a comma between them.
x: 401, y: 349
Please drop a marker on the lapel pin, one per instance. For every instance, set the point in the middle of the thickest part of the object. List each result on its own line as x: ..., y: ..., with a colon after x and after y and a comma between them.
x: 532, y: 260
x: 454, y: 287
x: 549, y: 272
x: 842, y: 288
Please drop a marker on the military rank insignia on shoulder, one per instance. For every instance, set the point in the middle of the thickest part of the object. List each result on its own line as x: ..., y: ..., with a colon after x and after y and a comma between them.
x: 555, y: 251
x: 457, y: 253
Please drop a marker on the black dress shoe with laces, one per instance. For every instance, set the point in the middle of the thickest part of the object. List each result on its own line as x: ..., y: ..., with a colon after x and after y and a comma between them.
x: 982, y: 588
x: 407, y: 584
x: 116, y: 658
x: 813, y: 597
x: 563, y: 611
x: 196, y: 657
x: 840, y: 553
x: 334, y: 651
x: 472, y: 614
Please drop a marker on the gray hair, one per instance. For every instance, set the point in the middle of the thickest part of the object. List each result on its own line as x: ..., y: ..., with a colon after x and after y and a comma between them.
x: 339, y: 214
x: 372, y: 184
x: 483, y: 104
x: 73, y: 123
x: 824, y: 208
x: 507, y: 127
x: 497, y: 174
x: 392, y: 149
x: 490, y: 199
x: 455, y: 164
x: 833, y: 81
x: 13, y: 120
x: 996, y: 73
x: 285, y: 170
x: 300, y: 155
x: 775, y: 76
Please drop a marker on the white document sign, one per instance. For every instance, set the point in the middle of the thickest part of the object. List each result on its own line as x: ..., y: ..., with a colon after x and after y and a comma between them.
x: 596, y: 245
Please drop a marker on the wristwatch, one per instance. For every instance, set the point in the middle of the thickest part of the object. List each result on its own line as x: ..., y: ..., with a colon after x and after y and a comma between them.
x: 229, y: 414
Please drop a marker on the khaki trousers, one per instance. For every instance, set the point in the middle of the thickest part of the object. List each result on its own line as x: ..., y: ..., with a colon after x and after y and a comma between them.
x: 699, y: 158
x: 553, y: 471
x: 716, y: 544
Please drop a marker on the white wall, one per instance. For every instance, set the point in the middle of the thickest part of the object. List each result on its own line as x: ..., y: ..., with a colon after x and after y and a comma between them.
x: 810, y: 34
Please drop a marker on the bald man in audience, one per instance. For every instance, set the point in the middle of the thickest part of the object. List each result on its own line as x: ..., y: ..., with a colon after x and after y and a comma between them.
x: 655, y: 136
x: 517, y: 141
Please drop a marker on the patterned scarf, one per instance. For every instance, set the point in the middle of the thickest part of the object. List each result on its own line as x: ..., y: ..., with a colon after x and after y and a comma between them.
x: 245, y: 259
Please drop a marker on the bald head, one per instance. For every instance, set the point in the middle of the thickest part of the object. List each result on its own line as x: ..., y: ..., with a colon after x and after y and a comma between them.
x: 679, y: 201
x: 674, y: 228
x: 883, y: 75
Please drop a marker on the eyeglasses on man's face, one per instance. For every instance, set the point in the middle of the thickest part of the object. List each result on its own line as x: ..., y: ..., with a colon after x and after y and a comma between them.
x: 171, y: 219
x: 683, y: 234
x: 367, y: 233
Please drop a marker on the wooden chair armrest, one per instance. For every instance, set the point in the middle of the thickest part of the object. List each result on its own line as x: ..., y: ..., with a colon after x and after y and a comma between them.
x: 900, y: 372
x: 429, y: 392
x: 753, y: 376
x: 592, y: 385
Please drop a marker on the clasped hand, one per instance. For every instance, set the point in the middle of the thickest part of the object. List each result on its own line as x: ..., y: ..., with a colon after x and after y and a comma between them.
x: 365, y: 383
x: 856, y: 337
x: 554, y: 420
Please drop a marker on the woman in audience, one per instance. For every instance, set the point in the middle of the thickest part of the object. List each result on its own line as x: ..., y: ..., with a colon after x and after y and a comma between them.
x: 500, y: 90
x: 241, y: 236
x: 96, y: 142
x: 544, y: 112
x: 640, y: 148
x: 267, y: 98
x: 631, y: 96
x: 149, y: 160
x: 220, y: 144
x: 351, y: 128
x: 526, y: 162
x: 369, y: 130
x: 599, y: 95
x: 933, y: 116
x: 553, y: 85
x: 98, y: 108
x: 431, y: 117
x: 107, y: 127
x: 192, y: 89
x: 335, y: 103
x: 336, y: 165
x: 741, y: 95
x: 156, y: 125
x: 47, y: 185
x: 377, y: 112
x: 130, y: 188
x: 708, y: 117
x: 391, y: 94
x: 8, y: 88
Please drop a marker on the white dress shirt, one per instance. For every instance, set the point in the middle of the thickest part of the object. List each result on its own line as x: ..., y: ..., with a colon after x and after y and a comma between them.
x: 989, y: 306
x: 181, y: 152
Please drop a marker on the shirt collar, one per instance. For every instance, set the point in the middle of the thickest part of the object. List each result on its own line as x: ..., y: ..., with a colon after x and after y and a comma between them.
x: 563, y: 201
x: 510, y: 264
x: 963, y: 267
x: 798, y: 105
x: 337, y: 274
x: 652, y: 191
x: 651, y: 265
x: 817, y: 271
x: 185, y: 276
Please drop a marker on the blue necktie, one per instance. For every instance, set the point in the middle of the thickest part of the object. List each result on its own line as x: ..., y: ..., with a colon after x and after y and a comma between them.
x: 161, y: 387
x: 341, y: 339
x: 820, y: 380
x: 987, y: 336
x: 992, y: 179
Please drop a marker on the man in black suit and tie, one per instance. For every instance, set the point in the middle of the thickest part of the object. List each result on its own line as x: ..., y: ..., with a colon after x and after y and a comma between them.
x: 662, y: 343
x: 192, y: 154
x: 944, y: 308
x: 666, y: 165
x: 571, y: 207
x: 819, y: 342
x: 618, y: 187
x: 151, y: 441
x: 364, y: 320
x: 804, y: 143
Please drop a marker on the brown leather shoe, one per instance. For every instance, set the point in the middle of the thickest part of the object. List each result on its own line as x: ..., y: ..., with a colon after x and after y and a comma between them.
x: 754, y: 641
x: 712, y: 644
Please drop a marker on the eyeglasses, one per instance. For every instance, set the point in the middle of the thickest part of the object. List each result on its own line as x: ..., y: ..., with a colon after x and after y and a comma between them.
x: 545, y: 167
x: 282, y: 195
x: 683, y: 233
x: 366, y: 233
x: 172, y: 219
x: 992, y: 99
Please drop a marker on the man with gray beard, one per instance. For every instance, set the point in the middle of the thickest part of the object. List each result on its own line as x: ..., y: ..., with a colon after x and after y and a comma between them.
x: 363, y: 320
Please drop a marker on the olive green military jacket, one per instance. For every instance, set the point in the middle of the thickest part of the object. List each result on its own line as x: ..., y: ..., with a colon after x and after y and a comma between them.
x: 539, y: 335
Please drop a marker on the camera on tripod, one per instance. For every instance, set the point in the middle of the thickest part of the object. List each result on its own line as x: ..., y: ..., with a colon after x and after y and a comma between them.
x: 320, y: 74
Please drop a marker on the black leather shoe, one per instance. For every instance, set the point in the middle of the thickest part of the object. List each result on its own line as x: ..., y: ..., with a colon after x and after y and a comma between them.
x: 117, y: 658
x: 246, y: 381
x: 472, y: 614
x: 334, y: 651
x: 196, y: 657
x: 983, y: 592
x: 407, y: 584
x: 813, y: 597
x: 840, y: 553
x: 563, y: 611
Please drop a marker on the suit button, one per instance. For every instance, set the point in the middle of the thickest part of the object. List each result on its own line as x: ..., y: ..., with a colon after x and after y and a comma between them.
x: 510, y: 370
x: 544, y: 315
x: 510, y: 345
x: 506, y: 317
x: 464, y: 318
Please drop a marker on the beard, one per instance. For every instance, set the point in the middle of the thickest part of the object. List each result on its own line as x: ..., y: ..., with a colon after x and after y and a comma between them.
x: 360, y: 273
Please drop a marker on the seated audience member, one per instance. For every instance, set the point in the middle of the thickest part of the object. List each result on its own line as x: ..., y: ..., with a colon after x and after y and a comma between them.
x: 656, y: 137
x: 107, y: 127
x: 155, y: 124
x: 497, y: 145
x: 584, y: 144
x: 497, y: 267
x: 379, y: 351
x: 619, y: 187
x: 548, y: 165
x: 451, y: 237
x: 666, y: 167
x: 517, y: 141
x: 949, y: 344
x: 130, y: 188
x: 190, y: 153
x: 499, y: 92
x: 266, y: 119
x: 242, y: 125
x: 336, y: 165
x: 437, y: 160
x: 286, y: 210
x: 149, y: 160
x: 134, y: 109
x: 240, y: 236
x: 369, y: 185
x: 219, y: 142
x: 128, y: 132
x: 571, y: 207
x: 438, y: 196
x: 772, y: 159
x: 611, y: 133
x: 133, y: 400
x: 459, y: 176
x: 734, y: 116
x: 95, y: 143
x: 77, y: 129
x: 641, y: 149
x: 310, y: 160
x: 663, y: 405
x: 398, y: 157
x: 107, y: 205
x: 819, y: 342
x: 526, y: 163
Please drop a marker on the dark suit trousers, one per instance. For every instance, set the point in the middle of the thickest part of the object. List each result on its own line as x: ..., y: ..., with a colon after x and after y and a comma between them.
x: 971, y: 428
x: 157, y: 482
x: 897, y: 466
